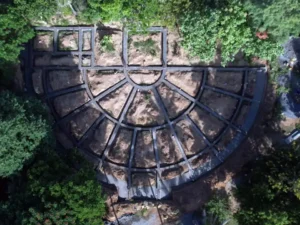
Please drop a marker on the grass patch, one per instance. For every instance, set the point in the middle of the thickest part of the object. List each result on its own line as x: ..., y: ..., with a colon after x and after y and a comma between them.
x: 107, y: 44
x: 147, y: 46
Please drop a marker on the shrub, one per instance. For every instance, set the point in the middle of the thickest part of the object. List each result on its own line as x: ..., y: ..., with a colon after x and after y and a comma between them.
x: 280, y: 18
x: 56, y: 193
x: 271, y: 194
x: 107, y: 44
x: 206, y: 28
x: 24, y: 126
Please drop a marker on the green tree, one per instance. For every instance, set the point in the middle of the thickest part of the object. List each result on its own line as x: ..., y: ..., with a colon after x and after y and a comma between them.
x: 280, y: 18
x: 56, y: 193
x: 271, y: 194
x: 15, y: 25
x: 24, y: 125
x: 206, y: 27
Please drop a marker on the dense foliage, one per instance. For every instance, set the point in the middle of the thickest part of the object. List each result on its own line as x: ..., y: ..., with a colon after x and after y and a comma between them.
x: 278, y: 17
x: 272, y: 194
x: 15, y: 24
x: 206, y: 28
x: 55, y: 193
x: 23, y: 128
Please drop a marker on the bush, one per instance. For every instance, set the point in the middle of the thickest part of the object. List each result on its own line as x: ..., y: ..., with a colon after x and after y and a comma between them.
x: 280, y: 18
x: 271, y: 194
x: 15, y: 21
x: 24, y: 126
x: 205, y: 28
x: 56, y: 193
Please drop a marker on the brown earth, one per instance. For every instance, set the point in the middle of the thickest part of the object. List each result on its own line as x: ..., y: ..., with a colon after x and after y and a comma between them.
x: 114, y: 102
x: 143, y: 179
x: 65, y: 104
x: 174, y: 172
x: 222, y: 104
x: 99, y: 81
x: 43, y: 41
x: 37, y: 81
x: 144, y: 77
x: 144, y: 110
x: 87, y: 39
x: 68, y: 40
x: 61, y: 79
x: 137, y: 57
x: 48, y: 60
x: 208, y: 124
x: 104, y: 57
x: 98, y: 140
x: 173, y: 101
x: 187, y: 81
x: 230, y: 81
x: 167, y: 149
x: 120, y: 151
x: 144, y: 153
x: 192, y: 143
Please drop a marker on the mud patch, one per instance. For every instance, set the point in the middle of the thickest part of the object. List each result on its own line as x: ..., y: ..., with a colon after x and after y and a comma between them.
x: 114, y: 102
x: 145, y: 49
x: 144, y: 156
x: 226, y: 139
x: 60, y: 79
x: 174, y: 172
x: 120, y: 151
x: 187, y: 81
x: 144, y: 77
x: 167, y: 149
x: 143, y: 179
x: 242, y: 116
x: 98, y: 140
x: 222, y: 104
x: 48, y: 60
x: 100, y: 80
x: 144, y: 110
x: 67, y: 103
x: 251, y: 82
x: 173, y: 101
x: 118, y: 173
x: 201, y: 160
x: 68, y: 40
x: 208, y: 124
x: 230, y: 81
x: 108, y: 48
x: 191, y: 142
x: 37, y: 81
x: 43, y: 41
x: 82, y: 121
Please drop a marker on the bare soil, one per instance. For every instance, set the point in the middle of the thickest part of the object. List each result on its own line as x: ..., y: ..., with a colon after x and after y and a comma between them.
x: 82, y: 121
x: 176, y: 54
x: 173, y: 101
x: 230, y: 81
x: 226, y: 139
x: 208, y: 124
x: 251, y: 81
x: 222, y: 104
x: 99, y: 80
x: 120, y: 151
x: 114, y: 102
x: 174, y: 172
x: 187, y: 81
x: 62, y: 138
x: 136, y: 56
x: 61, y: 79
x: 67, y: 103
x: 116, y: 172
x: 144, y: 110
x: 43, y: 41
x: 68, y: 40
x: 144, y: 156
x: 98, y: 140
x: 87, y: 39
x: 86, y: 60
x: 104, y: 57
x: 48, y: 60
x: 167, y: 148
x: 37, y: 81
x: 143, y: 179
x: 192, y: 142
x: 201, y: 160
x: 242, y: 115
x: 144, y: 77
